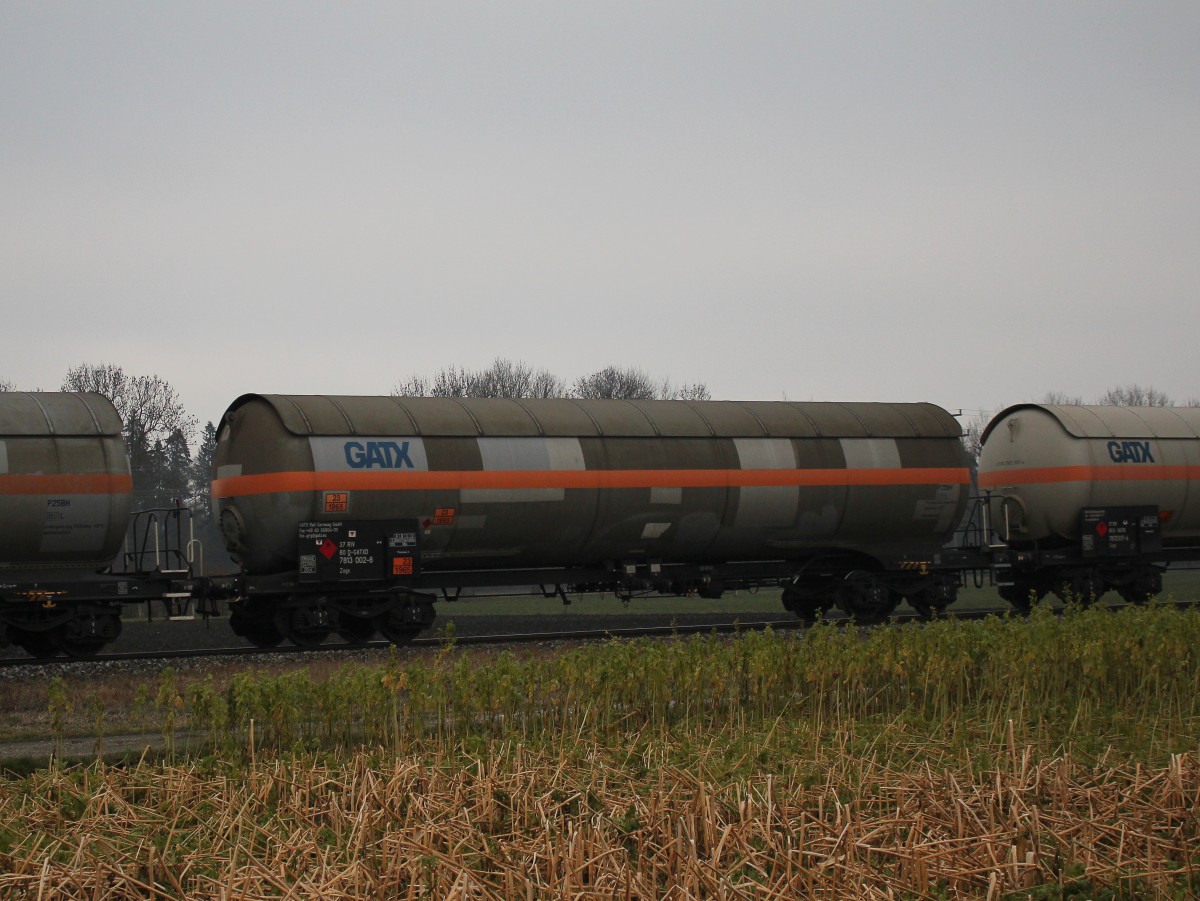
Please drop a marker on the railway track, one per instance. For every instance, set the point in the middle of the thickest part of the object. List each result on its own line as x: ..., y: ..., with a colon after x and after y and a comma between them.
x: 468, y: 640
x: 659, y: 628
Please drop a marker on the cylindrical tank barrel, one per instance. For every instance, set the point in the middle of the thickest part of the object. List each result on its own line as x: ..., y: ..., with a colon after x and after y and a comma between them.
x: 64, y: 480
x: 510, y: 483
x: 1045, y: 464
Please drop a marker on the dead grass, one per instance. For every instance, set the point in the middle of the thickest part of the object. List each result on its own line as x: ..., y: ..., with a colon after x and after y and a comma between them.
x: 584, y: 823
x: 1030, y: 759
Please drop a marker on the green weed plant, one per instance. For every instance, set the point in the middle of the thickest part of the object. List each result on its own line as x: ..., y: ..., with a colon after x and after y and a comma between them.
x: 1089, y: 680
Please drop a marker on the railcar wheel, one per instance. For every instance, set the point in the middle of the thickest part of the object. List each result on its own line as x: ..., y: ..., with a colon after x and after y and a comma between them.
x: 81, y: 648
x: 305, y: 626
x: 355, y: 629
x: 36, y: 644
x: 1022, y: 595
x: 84, y: 637
x: 865, y: 598
x: 807, y: 605
x: 934, y: 599
x: 262, y: 635
x: 1084, y: 586
x: 1142, y: 589
x: 1131, y: 595
x: 398, y: 628
x: 260, y: 631
x: 923, y: 602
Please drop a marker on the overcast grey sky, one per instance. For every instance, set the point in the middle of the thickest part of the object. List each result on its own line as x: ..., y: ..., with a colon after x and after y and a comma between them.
x: 964, y: 203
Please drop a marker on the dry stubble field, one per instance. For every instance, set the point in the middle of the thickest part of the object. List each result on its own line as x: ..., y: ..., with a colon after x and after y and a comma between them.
x: 1011, y: 758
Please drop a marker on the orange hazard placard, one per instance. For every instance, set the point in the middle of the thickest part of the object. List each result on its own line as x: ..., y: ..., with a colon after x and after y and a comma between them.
x: 402, y: 566
x: 443, y: 516
x: 337, y: 501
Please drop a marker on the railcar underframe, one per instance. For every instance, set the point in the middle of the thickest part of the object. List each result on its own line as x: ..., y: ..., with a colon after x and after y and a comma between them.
x: 362, y: 580
x: 48, y: 610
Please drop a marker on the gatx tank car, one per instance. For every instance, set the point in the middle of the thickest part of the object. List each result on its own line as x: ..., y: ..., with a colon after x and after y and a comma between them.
x: 65, y: 495
x: 1084, y: 499
x: 352, y: 513
x: 355, y: 514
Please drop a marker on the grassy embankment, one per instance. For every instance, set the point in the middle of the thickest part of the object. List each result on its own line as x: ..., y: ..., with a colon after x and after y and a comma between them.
x: 1030, y: 758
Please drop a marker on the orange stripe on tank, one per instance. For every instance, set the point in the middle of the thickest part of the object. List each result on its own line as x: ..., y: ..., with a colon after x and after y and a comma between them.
x: 277, y: 482
x: 94, y: 483
x: 1043, y: 475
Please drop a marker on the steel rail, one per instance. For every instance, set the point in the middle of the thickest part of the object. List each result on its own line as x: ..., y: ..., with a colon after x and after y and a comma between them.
x: 424, y: 642
x: 517, y: 638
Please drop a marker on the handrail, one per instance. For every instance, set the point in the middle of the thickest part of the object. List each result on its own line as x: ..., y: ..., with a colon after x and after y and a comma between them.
x: 155, y: 541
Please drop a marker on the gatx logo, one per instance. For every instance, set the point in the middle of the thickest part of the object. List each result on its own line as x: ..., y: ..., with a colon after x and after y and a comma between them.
x: 1130, y: 452
x: 377, y: 455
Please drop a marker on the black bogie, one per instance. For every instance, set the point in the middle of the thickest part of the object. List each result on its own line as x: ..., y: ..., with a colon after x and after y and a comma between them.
x: 865, y: 597
x: 308, y: 619
x: 354, y: 628
x: 304, y: 623
x: 36, y: 643
x: 1136, y: 582
x: 77, y: 631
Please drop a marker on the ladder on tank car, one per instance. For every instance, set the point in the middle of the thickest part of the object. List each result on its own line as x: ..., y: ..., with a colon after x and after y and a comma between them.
x: 161, y: 543
x: 985, y: 549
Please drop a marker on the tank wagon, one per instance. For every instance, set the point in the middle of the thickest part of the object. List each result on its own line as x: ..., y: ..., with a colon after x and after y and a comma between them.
x: 352, y: 514
x: 65, y: 497
x: 1091, y: 498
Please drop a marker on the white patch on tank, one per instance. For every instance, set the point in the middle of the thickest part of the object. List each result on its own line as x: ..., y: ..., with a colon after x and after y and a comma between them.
x: 524, y: 455
x: 655, y: 529
x: 75, y: 523
x: 368, y: 453
x: 666, y: 494
x: 229, y: 471
x: 766, y: 506
x: 3, y: 457
x: 871, y: 453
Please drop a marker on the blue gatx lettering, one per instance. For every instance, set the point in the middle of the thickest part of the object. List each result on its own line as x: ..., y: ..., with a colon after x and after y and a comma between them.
x: 1130, y: 452
x: 378, y: 455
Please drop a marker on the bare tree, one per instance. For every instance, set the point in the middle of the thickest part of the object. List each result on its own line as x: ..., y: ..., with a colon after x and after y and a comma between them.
x: 690, y: 391
x: 972, y: 437
x: 7, y: 386
x: 504, y: 378
x: 1061, y: 398
x: 634, y: 384
x: 148, y: 405
x: 614, y: 382
x: 413, y: 386
x: 1134, y: 395
x: 156, y: 428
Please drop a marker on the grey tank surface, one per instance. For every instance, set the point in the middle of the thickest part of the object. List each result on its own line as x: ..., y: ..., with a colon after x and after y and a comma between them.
x: 558, y: 482
x: 65, y: 486
x: 1046, y: 464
